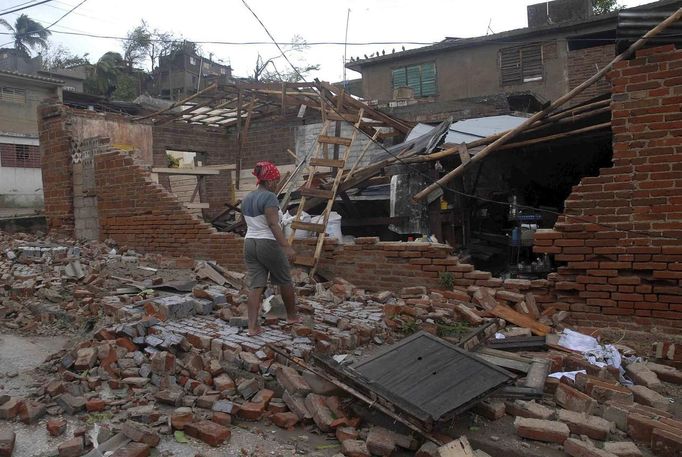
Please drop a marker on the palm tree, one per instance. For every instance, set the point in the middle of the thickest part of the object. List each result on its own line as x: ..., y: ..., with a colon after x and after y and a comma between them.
x: 107, y: 70
x: 27, y: 34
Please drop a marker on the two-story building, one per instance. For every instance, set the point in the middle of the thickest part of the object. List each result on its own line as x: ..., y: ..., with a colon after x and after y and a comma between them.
x: 21, y: 182
x: 563, y: 45
x: 185, y: 72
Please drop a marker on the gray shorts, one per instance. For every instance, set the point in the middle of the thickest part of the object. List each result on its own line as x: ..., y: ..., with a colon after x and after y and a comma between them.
x: 265, y: 257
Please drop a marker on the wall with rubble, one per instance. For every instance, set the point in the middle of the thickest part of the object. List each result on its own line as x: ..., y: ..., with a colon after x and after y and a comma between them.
x: 620, y: 238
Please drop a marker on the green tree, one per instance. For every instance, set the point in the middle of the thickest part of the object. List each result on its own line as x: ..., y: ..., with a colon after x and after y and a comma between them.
x: 57, y: 56
x: 103, y: 77
x: 27, y: 34
x: 127, y: 85
x: 136, y: 45
x: 604, y: 6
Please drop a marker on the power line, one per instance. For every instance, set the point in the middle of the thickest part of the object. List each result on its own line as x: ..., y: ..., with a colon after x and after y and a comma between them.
x: 65, y: 14
x: 18, y: 5
x: 445, y: 187
x: 24, y: 7
x: 316, y: 43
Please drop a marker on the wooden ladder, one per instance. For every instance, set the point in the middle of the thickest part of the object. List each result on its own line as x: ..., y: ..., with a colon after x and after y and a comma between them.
x: 319, y: 158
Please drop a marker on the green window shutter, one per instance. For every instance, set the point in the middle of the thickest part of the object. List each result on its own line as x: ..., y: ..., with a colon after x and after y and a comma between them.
x: 399, y: 78
x: 428, y: 71
x: 414, y: 79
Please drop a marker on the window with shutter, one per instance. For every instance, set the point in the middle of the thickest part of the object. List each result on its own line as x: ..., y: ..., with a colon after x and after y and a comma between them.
x: 420, y: 78
x: 521, y: 64
x: 12, y: 95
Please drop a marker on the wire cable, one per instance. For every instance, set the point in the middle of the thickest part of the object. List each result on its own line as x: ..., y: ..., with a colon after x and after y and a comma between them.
x: 464, y: 194
x: 24, y: 7
x: 334, y: 43
x: 65, y: 14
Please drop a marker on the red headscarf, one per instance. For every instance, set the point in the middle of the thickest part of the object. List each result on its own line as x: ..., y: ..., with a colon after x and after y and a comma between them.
x: 265, y: 171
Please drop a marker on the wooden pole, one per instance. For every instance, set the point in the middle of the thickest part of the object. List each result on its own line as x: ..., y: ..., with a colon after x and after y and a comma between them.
x: 238, y: 160
x: 553, y: 106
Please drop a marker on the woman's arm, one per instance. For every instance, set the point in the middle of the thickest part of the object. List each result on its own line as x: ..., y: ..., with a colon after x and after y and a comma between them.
x: 272, y: 216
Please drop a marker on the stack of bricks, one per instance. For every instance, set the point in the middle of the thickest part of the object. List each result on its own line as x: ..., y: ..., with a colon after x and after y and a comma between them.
x: 620, y: 236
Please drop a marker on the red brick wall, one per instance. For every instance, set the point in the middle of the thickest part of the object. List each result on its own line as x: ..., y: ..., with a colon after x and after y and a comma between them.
x: 143, y: 215
x: 267, y: 139
x: 19, y: 155
x: 583, y: 64
x: 630, y: 272
x: 56, y: 167
x: 136, y: 212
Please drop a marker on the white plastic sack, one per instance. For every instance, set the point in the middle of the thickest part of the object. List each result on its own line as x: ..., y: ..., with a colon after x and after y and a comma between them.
x: 578, y: 341
x: 333, y: 230
x: 287, y: 219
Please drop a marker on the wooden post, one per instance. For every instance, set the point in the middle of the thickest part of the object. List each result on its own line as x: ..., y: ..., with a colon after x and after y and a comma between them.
x: 238, y: 160
x: 553, y: 106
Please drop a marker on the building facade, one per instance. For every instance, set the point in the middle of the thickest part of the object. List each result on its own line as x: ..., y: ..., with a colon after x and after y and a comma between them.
x: 185, y: 72
x: 20, y: 173
x: 564, y: 45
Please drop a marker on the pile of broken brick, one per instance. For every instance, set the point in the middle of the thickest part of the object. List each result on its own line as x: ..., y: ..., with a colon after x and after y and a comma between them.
x: 162, y: 362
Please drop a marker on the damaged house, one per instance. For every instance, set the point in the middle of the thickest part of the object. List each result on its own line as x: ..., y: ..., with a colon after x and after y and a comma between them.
x: 463, y: 281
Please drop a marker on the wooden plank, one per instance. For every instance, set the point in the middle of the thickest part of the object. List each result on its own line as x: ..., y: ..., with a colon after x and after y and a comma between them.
x: 309, y: 226
x: 325, y: 139
x: 316, y: 193
x: 226, y: 167
x: 457, y: 448
x: 532, y: 306
x: 319, y: 162
x: 464, y: 155
x: 200, y: 171
x: 191, y: 205
x: 506, y: 363
x: 508, y: 314
x: 305, y: 261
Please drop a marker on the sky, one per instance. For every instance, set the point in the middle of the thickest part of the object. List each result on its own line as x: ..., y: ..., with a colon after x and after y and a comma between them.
x: 401, y: 22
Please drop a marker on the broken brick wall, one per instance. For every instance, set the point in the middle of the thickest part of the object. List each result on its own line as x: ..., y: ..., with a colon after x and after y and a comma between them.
x: 60, y: 128
x: 142, y: 215
x: 214, y: 148
x: 265, y: 139
x: 583, y: 64
x: 55, y: 157
x: 620, y: 237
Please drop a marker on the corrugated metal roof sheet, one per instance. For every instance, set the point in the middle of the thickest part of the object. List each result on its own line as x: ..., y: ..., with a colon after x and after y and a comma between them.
x: 472, y: 129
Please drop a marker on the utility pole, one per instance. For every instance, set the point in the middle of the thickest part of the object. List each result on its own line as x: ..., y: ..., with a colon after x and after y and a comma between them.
x: 345, y: 48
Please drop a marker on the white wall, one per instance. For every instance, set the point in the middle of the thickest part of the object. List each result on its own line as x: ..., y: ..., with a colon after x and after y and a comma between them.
x: 21, y: 187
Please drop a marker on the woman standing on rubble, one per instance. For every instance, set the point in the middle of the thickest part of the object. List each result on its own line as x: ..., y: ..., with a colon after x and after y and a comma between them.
x: 266, y: 250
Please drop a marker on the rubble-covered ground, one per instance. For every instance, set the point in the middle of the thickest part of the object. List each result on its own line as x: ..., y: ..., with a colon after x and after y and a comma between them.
x: 104, y: 351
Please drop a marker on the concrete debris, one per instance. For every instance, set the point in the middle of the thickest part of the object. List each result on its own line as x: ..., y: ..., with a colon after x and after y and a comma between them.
x: 159, y: 360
